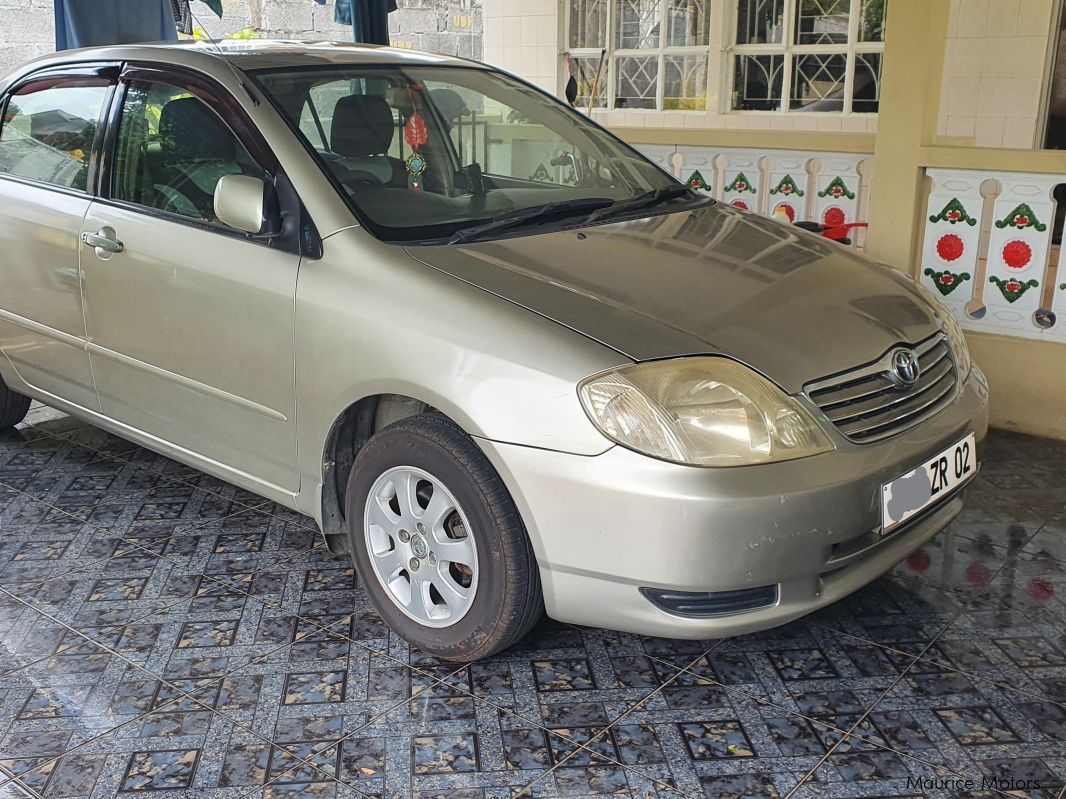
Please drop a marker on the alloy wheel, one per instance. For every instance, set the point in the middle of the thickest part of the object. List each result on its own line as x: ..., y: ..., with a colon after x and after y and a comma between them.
x: 420, y: 546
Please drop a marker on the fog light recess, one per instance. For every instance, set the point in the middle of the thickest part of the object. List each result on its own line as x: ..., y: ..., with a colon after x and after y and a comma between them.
x: 701, y: 604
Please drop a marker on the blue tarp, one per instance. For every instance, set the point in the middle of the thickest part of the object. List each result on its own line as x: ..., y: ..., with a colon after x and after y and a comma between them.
x: 89, y: 23
x: 369, y: 19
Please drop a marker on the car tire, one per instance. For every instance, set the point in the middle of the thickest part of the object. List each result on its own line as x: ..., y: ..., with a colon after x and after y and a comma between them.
x: 490, y: 551
x: 13, y: 407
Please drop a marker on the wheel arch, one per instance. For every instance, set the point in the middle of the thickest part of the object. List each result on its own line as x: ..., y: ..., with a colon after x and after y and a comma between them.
x: 351, y: 429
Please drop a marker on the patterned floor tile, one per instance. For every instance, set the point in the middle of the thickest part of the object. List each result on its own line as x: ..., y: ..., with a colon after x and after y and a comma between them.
x: 965, y: 558
x: 429, y: 728
x: 167, y: 633
x: 893, y: 610
x: 179, y: 745
x: 964, y: 723
x: 701, y: 726
x: 872, y: 771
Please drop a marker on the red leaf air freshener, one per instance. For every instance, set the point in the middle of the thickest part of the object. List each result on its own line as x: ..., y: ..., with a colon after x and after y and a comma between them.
x: 415, y: 132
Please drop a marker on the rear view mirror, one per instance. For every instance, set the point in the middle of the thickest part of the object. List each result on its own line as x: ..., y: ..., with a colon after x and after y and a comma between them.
x: 247, y: 204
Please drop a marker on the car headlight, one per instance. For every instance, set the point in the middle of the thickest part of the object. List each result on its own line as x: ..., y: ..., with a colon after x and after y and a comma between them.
x: 952, y: 329
x: 701, y: 411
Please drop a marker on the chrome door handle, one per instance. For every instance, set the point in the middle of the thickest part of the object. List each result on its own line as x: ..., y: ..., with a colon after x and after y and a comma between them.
x: 105, y: 243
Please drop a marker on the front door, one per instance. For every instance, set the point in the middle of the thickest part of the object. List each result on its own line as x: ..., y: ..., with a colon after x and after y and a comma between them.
x: 47, y: 136
x: 190, y: 323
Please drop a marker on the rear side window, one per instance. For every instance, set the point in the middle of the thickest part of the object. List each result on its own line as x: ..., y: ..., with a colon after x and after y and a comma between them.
x: 48, y: 130
x: 172, y: 151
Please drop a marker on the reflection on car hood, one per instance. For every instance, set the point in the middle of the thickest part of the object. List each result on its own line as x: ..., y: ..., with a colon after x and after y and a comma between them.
x: 711, y: 281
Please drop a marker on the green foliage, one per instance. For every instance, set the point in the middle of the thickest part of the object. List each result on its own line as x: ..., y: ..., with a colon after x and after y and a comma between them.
x: 200, y: 35
x: 873, y: 20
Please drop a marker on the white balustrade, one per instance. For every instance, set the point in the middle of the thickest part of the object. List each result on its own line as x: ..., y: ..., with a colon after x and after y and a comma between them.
x: 998, y: 275
x: 802, y: 185
x: 789, y: 186
x: 839, y: 189
x: 741, y: 183
x: 952, y: 235
x: 1023, y: 216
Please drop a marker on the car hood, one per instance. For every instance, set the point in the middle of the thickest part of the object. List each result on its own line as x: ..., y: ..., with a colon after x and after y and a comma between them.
x: 714, y: 280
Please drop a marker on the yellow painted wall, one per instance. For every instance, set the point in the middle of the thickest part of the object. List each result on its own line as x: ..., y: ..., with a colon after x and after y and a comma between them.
x: 1027, y: 380
x: 910, y: 102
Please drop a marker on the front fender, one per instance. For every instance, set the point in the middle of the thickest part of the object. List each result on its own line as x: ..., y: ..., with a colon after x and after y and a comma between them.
x: 371, y: 320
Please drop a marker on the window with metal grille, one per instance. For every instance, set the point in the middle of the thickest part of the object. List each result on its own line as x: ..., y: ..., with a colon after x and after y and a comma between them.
x: 808, y: 55
x: 657, y: 52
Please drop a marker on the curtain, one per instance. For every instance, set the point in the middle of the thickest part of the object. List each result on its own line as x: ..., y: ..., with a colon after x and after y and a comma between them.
x: 89, y: 23
x: 369, y: 19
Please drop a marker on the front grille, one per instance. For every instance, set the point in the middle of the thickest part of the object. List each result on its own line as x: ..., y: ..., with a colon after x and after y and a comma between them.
x: 866, y: 405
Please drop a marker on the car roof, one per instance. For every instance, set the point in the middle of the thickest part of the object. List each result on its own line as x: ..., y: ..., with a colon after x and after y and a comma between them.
x: 251, y: 54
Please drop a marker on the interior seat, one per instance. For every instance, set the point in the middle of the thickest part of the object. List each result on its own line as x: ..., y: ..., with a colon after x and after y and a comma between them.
x: 197, y: 150
x: 362, y: 132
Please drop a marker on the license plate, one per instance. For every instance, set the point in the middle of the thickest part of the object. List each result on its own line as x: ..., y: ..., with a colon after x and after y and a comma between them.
x: 916, y: 490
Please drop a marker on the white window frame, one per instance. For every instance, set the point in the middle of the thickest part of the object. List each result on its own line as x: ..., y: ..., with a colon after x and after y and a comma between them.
x: 788, y: 48
x: 610, y: 71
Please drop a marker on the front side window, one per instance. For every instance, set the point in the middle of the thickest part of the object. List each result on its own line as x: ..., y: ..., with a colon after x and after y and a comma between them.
x: 48, y: 130
x: 428, y: 153
x: 172, y: 151
x: 657, y: 53
x: 808, y: 55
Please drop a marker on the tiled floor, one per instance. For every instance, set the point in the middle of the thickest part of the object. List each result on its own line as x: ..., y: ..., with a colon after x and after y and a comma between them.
x: 164, y: 632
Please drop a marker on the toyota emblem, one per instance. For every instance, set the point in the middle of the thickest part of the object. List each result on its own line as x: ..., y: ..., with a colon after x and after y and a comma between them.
x: 904, y: 368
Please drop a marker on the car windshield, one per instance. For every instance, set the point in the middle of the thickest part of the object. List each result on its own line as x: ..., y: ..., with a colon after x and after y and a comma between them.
x: 429, y: 154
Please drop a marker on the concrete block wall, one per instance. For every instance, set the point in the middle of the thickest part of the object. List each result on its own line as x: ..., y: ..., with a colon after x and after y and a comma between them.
x: 453, y: 27
x: 27, y: 30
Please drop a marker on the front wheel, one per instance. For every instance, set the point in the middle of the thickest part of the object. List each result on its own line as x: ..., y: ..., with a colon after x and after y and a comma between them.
x: 438, y: 543
x: 13, y: 407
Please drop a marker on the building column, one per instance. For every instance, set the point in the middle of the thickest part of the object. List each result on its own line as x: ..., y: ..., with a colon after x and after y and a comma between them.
x: 912, y: 72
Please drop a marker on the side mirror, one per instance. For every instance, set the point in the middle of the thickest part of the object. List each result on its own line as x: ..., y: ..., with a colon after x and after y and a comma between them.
x: 247, y: 204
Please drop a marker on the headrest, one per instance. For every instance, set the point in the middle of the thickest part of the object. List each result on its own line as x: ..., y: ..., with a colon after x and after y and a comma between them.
x: 189, y: 130
x: 449, y: 103
x: 362, y: 125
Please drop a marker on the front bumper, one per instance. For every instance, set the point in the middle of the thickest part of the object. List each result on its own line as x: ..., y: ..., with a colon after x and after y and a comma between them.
x: 604, y: 527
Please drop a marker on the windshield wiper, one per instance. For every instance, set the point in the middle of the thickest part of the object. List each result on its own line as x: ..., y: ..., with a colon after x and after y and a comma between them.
x: 562, y: 208
x: 654, y: 197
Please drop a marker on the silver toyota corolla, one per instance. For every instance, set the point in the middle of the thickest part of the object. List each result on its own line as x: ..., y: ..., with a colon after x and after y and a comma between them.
x: 502, y: 359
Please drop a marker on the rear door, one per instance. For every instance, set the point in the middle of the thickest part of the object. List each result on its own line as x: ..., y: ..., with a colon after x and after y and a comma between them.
x: 190, y: 322
x: 51, y: 127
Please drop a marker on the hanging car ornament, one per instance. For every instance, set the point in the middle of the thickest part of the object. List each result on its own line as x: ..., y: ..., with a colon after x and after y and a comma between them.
x: 416, y: 134
x: 415, y: 165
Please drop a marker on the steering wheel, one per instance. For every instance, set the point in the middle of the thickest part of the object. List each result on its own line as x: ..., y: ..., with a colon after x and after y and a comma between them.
x: 169, y: 198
